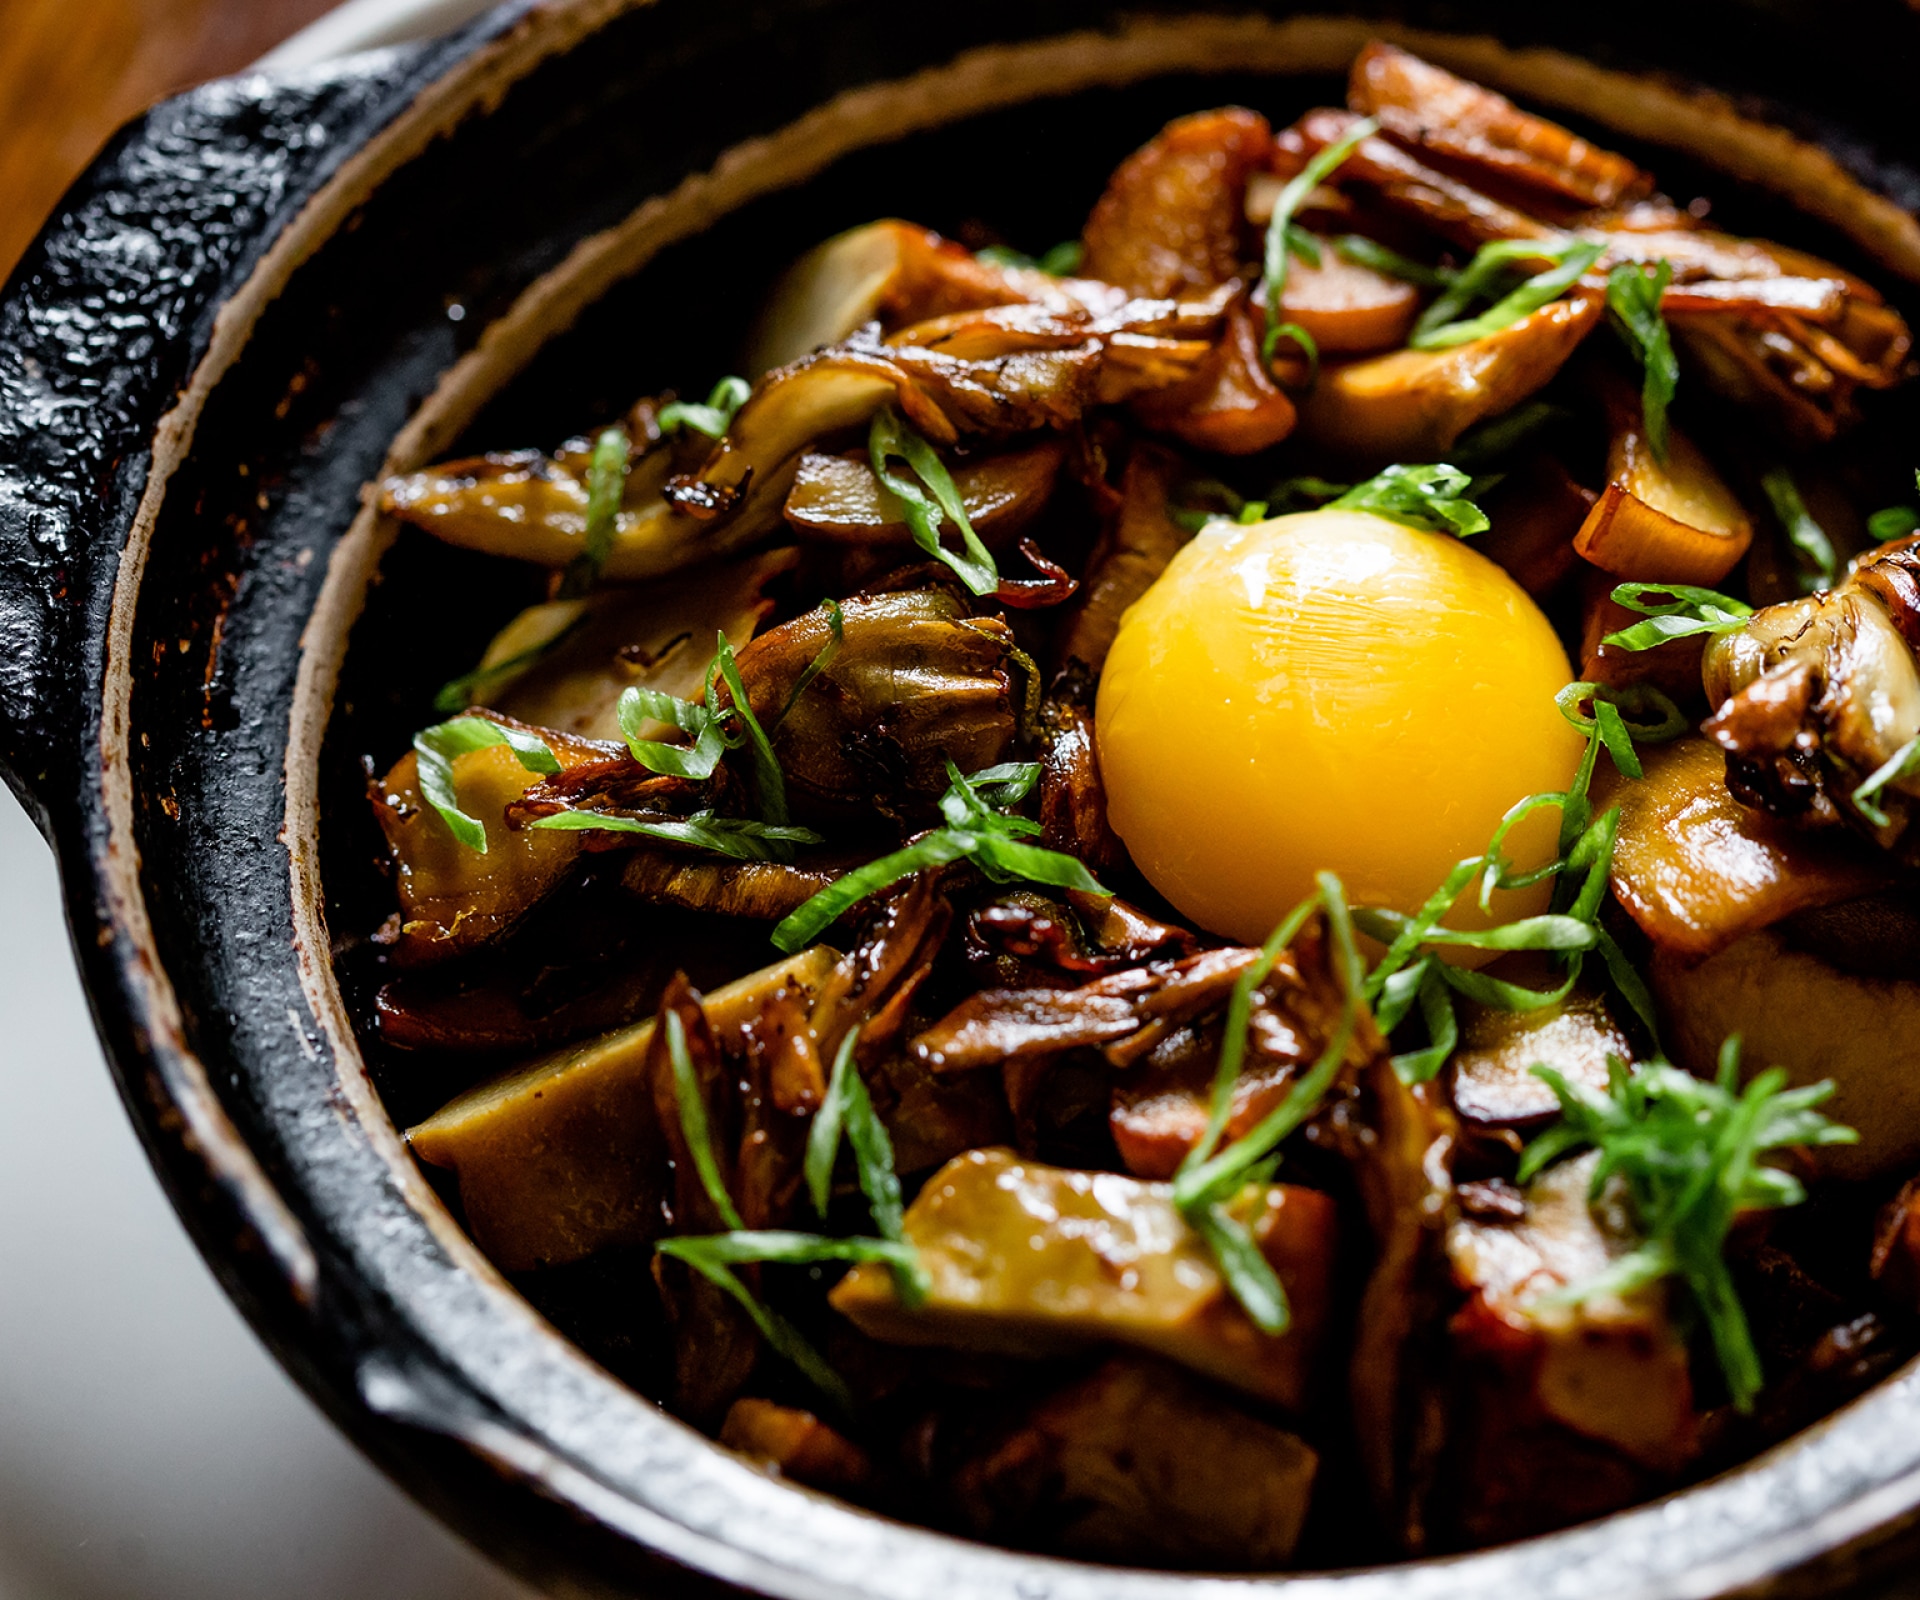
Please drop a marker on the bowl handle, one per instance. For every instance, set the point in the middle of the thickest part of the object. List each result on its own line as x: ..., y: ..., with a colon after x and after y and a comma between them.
x: 103, y: 326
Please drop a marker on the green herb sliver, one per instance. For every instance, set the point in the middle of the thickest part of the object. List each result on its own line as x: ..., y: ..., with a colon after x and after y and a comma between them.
x: 978, y: 830
x: 606, y: 484
x: 1688, y: 1151
x: 437, y: 748
x: 1062, y: 261
x: 715, y: 1256
x: 1687, y: 612
x: 1432, y: 498
x: 1633, y: 306
x: 1210, y: 1178
x: 1903, y: 763
x: 739, y: 838
x: 1285, y: 241
x: 1437, y: 328
x: 1819, y: 565
x: 1365, y: 252
x: 926, y: 496
x: 715, y: 417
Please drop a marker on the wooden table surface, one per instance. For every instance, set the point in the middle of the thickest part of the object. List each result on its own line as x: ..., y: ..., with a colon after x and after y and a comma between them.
x: 72, y: 71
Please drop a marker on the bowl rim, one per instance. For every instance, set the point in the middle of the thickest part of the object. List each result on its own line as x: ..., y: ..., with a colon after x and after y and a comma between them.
x: 1851, y: 1480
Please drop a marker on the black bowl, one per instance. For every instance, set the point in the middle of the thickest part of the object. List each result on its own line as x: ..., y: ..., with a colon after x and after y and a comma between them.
x: 269, y: 291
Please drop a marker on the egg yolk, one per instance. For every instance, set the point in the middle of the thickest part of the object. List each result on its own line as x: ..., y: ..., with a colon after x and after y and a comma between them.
x: 1329, y: 692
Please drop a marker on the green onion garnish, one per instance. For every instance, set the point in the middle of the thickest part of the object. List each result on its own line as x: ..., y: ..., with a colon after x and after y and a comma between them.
x: 437, y: 748
x: 1432, y: 498
x: 1062, y: 261
x: 978, y: 830
x: 1285, y: 241
x: 715, y: 417
x: 1633, y: 304
x: 606, y: 484
x: 1820, y: 566
x: 740, y: 838
x: 924, y: 501
x: 1207, y: 1183
x: 1365, y: 252
x: 1893, y: 522
x: 1437, y: 329
x: 1903, y: 763
x: 1690, y: 611
x: 1688, y: 1151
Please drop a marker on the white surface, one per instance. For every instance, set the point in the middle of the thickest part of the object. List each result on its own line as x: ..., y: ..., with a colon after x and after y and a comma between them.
x: 366, y: 24
x: 149, y: 1448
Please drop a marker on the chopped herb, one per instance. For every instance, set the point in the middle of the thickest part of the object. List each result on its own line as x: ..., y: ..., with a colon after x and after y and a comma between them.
x: 1436, y: 329
x: 1633, y: 305
x: 463, y: 691
x: 715, y: 417
x: 716, y: 1255
x: 437, y: 748
x: 1688, y: 612
x: 849, y: 1107
x: 1893, y: 522
x: 718, y: 727
x: 1903, y: 763
x: 1302, y: 494
x: 1688, y: 1152
x: 1432, y: 498
x: 1410, y: 972
x: 1489, y: 441
x: 1365, y: 252
x: 606, y: 483
x: 1062, y: 261
x: 1820, y: 567
x: 978, y: 830
x: 1285, y: 241
x: 924, y: 501
x: 740, y: 838
x: 1208, y: 1182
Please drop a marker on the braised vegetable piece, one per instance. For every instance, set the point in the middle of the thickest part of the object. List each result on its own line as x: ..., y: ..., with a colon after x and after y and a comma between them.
x: 1449, y: 118
x: 917, y: 682
x: 656, y: 637
x: 1566, y: 1411
x: 1818, y: 700
x: 1798, y: 1011
x: 1169, y: 221
x: 1139, y: 542
x: 1665, y: 515
x: 1281, y: 1099
x: 454, y: 898
x: 1020, y: 1259
x: 1414, y: 405
x: 1138, y: 1463
x: 1494, y: 1084
x: 1698, y: 870
x: 796, y: 1444
x: 563, y: 1157
x: 840, y: 498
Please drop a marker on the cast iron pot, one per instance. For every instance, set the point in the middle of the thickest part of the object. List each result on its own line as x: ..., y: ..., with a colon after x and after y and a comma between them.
x: 270, y: 291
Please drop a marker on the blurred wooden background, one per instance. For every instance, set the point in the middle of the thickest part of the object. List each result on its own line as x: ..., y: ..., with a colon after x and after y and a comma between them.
x: 72, y: 71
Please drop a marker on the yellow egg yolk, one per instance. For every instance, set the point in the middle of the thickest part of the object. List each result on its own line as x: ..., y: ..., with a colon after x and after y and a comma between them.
x: 1329, y: 692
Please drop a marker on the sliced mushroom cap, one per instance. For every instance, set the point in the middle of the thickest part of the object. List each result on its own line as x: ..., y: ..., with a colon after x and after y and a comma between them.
x: 1413, y: 405
x: 1170, y: 219
x: 840, y: 498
